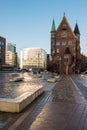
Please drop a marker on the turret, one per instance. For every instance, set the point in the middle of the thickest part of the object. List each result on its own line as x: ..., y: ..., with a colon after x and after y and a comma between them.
x: 53, y: 29
x: 76, y: 32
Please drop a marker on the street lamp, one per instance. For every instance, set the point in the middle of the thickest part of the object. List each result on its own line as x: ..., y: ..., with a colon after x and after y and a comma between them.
x: 38, y: 61
x: 60, y: 64
x: 58, y: 59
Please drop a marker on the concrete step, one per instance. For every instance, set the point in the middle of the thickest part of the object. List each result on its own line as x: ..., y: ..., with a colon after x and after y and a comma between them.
x: 19, y: 103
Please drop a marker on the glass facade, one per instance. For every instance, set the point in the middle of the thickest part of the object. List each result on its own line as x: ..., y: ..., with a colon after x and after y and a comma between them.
x: 11, y: 47
x: 2, y: 51
x: 11, y: 55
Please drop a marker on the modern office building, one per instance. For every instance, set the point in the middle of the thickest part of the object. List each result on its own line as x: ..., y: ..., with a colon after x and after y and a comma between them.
x: 2, y: 51
x: 33, y: 58
x: 11, y: 55
x: 65, y: 48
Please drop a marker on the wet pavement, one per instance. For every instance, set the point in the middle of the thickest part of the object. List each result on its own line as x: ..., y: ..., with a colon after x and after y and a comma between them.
x: 81, y: 83
x: 10, y: 89
x: 61, y: 107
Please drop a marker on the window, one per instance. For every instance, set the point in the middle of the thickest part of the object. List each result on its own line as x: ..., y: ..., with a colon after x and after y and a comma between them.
x: 57, y: 43
x: 0, y: 43
x: 57, y: 50
x: 63, y: 43
x: 70, y: 43
x: 52, y: 35
x: 64, y: 35
x: 53, y: 43
x: 53, y: 52
x: 64, y: 27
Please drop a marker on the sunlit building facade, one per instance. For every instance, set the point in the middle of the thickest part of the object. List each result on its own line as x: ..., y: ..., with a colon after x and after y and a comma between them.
x: 11, y: 55
x: 65, y: 48
x: 33, y: 57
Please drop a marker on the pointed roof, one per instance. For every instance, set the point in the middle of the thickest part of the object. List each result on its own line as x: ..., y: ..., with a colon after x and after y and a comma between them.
x: 65, y: 21
x: 67, y: 51
x: 76, y: 30
x: 53, y: 28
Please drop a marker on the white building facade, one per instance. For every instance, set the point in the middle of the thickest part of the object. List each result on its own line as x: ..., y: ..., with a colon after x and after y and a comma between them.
x: 33, y: 58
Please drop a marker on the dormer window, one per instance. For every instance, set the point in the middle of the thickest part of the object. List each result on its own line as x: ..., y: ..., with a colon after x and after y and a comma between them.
x: 64, y: 27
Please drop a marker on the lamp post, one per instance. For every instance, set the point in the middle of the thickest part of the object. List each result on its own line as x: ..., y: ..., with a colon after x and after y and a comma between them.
x: 58, y: 59
x: 60, y: 64
x: 38, y: 61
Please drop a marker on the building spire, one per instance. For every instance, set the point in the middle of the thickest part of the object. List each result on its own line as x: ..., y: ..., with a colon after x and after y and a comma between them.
x: 64, y: 14
x: 53, y: 28
x: 76, y: 30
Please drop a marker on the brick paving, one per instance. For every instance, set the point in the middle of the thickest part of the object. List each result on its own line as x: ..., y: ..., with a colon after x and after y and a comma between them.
x: 62, y: 108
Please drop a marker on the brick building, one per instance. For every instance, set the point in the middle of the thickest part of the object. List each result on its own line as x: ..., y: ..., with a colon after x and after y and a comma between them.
x: 2, y: 51
x: 83, y: 62
x: 65, y: 48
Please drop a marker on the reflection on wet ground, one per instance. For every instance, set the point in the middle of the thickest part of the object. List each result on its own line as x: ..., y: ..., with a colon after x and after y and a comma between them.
x: 13, y: 89
x: 9, y: 89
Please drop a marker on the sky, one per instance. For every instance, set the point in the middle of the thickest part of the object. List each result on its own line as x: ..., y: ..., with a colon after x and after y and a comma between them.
x: 27, y: 23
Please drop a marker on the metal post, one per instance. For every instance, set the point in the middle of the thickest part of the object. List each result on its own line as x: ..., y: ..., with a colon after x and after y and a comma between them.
x: 60, y: 65
x: 38, y: 61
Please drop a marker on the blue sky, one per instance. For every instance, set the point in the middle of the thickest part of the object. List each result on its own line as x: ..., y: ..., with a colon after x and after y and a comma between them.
x: 27, y: 23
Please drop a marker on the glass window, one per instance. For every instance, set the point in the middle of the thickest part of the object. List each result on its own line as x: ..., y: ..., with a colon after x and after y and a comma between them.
x: 64, y: 27
x: 64, y: 35
x: 53, y: 52
x: 53, y: 43
x: 57, y: 50
x: 0, y: 43
x: 52, y: 35
x: 57, y: 43
x: 70, y: 43
x: 63, y: 43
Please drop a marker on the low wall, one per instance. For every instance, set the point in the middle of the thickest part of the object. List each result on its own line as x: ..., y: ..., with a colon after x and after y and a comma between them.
x: 19, y: 103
